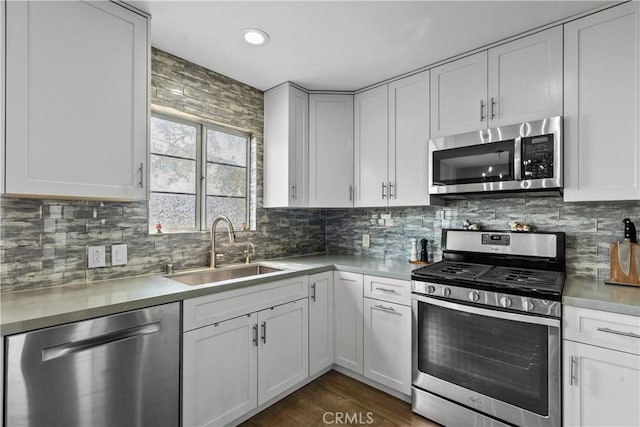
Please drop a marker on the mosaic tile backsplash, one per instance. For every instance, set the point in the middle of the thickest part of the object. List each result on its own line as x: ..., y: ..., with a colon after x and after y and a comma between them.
x: 589, y: 227
x: 44, y: 241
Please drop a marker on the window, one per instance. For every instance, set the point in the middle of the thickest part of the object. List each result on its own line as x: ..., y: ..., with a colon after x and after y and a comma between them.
x: 198, y: 172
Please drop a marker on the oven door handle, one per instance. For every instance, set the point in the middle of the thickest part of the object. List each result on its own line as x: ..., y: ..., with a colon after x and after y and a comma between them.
x: 489, y: 313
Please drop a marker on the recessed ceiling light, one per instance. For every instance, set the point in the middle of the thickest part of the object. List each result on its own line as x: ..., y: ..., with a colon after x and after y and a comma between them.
x: 255, y: 36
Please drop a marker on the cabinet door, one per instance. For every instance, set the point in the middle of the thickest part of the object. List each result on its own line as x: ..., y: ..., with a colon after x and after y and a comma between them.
x: 601, y: 386
x: 387, y: 344
x: 409, y: 141
x: 285, y: 161
x: 284, y: 348
x: 330, y: 151
x: 299, y: 146
x: 77, y: 110
x: 320, y: 321
x: 348, y: 327
x: 219, y: 372
x: 525, y: 79
x: 602, y: 100
x: 459, y: 96
x: 371, y: 134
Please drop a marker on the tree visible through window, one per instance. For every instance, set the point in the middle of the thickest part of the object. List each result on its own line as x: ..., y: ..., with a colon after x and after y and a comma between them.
x: 181, y: 153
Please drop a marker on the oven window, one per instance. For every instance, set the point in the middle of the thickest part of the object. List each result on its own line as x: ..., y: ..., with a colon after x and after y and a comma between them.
x: 503, y: 359
x: 474, y: 164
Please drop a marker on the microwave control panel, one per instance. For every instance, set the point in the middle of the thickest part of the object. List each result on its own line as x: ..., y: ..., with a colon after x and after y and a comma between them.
x: 537, y: 157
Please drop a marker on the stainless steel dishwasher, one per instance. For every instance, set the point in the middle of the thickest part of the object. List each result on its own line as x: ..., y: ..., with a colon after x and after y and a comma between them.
x: 113, y: 371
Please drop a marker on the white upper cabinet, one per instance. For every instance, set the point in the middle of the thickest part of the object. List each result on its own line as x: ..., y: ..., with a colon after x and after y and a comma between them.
x: 286, y: 120
x: 371, y: 138
x: 525, y: 79
x: 458, y: 96
x: 330, y: 150
x: 511, y: 83
x: 391, y: 143
x: 76, y: 100
x: 602, y: 96
x: 409, y: 141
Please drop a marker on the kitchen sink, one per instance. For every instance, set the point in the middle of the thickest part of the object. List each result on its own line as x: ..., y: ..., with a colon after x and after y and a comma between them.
x: 202, y: 277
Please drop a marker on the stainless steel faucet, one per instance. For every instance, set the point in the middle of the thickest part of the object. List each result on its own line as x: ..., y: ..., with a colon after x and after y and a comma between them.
x: 248, y: 254
x: 232, y: 238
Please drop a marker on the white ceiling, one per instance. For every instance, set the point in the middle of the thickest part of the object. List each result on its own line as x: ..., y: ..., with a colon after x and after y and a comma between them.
x: 339, y: 45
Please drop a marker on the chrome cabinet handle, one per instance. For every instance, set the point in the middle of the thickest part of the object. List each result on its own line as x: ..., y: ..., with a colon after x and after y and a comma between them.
x: 313, y: 292
x: 384, y: 186
x: 255, y: 334
x: 350, y: 193
x: 482, y: 110
x: 613, y: 331
x: 382, y: 307
x: 391, y: 190
x: 293, y: 192
x: 141, y: 175
x: 493, y: 104
x: 572, y: 374
x: 386, y: 290
x: 264, y: 332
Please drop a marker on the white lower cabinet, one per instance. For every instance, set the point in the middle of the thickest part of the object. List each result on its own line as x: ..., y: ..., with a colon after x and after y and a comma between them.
x: 601, y: 365
x: 232, y: 366
x: 283, y: 355
x: 602, y: 388
x: 348, y: 329
x: 220, y: 372
x: 320, y: 321
x: 387, y: 344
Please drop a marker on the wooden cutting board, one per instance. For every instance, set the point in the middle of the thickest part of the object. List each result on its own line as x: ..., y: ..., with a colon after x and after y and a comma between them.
x: 617, y: 276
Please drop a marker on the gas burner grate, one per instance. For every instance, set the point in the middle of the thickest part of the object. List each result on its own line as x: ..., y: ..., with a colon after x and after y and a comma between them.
x: 453, y: 270
x: 521, y: 277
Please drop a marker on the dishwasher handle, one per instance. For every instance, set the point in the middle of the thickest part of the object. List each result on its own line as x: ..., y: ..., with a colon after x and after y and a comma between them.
x: 108, y: 338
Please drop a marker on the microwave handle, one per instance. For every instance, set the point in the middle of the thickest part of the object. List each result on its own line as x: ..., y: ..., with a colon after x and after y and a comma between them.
x: 517, y: 159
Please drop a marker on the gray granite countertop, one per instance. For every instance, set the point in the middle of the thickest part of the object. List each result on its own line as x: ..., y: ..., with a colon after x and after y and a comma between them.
x: 27, y: 310
x: 594, y: 294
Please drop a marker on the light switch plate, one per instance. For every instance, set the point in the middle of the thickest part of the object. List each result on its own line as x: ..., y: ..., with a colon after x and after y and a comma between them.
x: 96, y: 256
x: 118, y: 254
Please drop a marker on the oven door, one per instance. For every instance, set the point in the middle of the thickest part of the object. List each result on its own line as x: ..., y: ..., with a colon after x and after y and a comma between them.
x: 503, y: 364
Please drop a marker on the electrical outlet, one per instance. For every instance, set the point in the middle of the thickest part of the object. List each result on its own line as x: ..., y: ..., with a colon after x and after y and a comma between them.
x: 366, y: 240
x: 118, y: 254
x: 96, y: 256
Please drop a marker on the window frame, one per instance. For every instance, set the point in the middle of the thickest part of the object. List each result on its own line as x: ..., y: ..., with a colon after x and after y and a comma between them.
x: 202, y: 128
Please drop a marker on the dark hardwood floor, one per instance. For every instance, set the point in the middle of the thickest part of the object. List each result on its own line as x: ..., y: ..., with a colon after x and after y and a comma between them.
x: 337, y: 400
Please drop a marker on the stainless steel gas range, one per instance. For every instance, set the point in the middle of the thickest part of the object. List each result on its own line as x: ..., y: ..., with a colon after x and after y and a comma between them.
x: 486, y: 330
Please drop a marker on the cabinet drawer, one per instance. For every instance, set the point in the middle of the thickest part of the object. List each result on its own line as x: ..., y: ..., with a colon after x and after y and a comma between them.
x: 213, y: 308
x: 384, y: 289
x: 604, y: 329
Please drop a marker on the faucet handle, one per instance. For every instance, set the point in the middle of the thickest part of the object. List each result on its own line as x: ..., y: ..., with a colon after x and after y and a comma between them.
x: 246, y: 252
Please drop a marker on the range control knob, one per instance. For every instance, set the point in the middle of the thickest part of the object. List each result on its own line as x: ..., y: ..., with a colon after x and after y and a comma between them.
x: 505, y: 302
x: 446, y: 292
x: 474, y: 296
x: 431, y: 289
x: 527, y: 305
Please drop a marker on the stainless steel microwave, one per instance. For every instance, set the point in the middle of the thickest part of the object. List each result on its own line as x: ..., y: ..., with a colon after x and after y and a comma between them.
x: 525, y: 157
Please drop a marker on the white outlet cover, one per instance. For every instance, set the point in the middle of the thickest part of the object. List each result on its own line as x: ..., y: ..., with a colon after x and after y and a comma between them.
x: 96, y: 256
x: 366, y: 240
x: 119, y: 255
